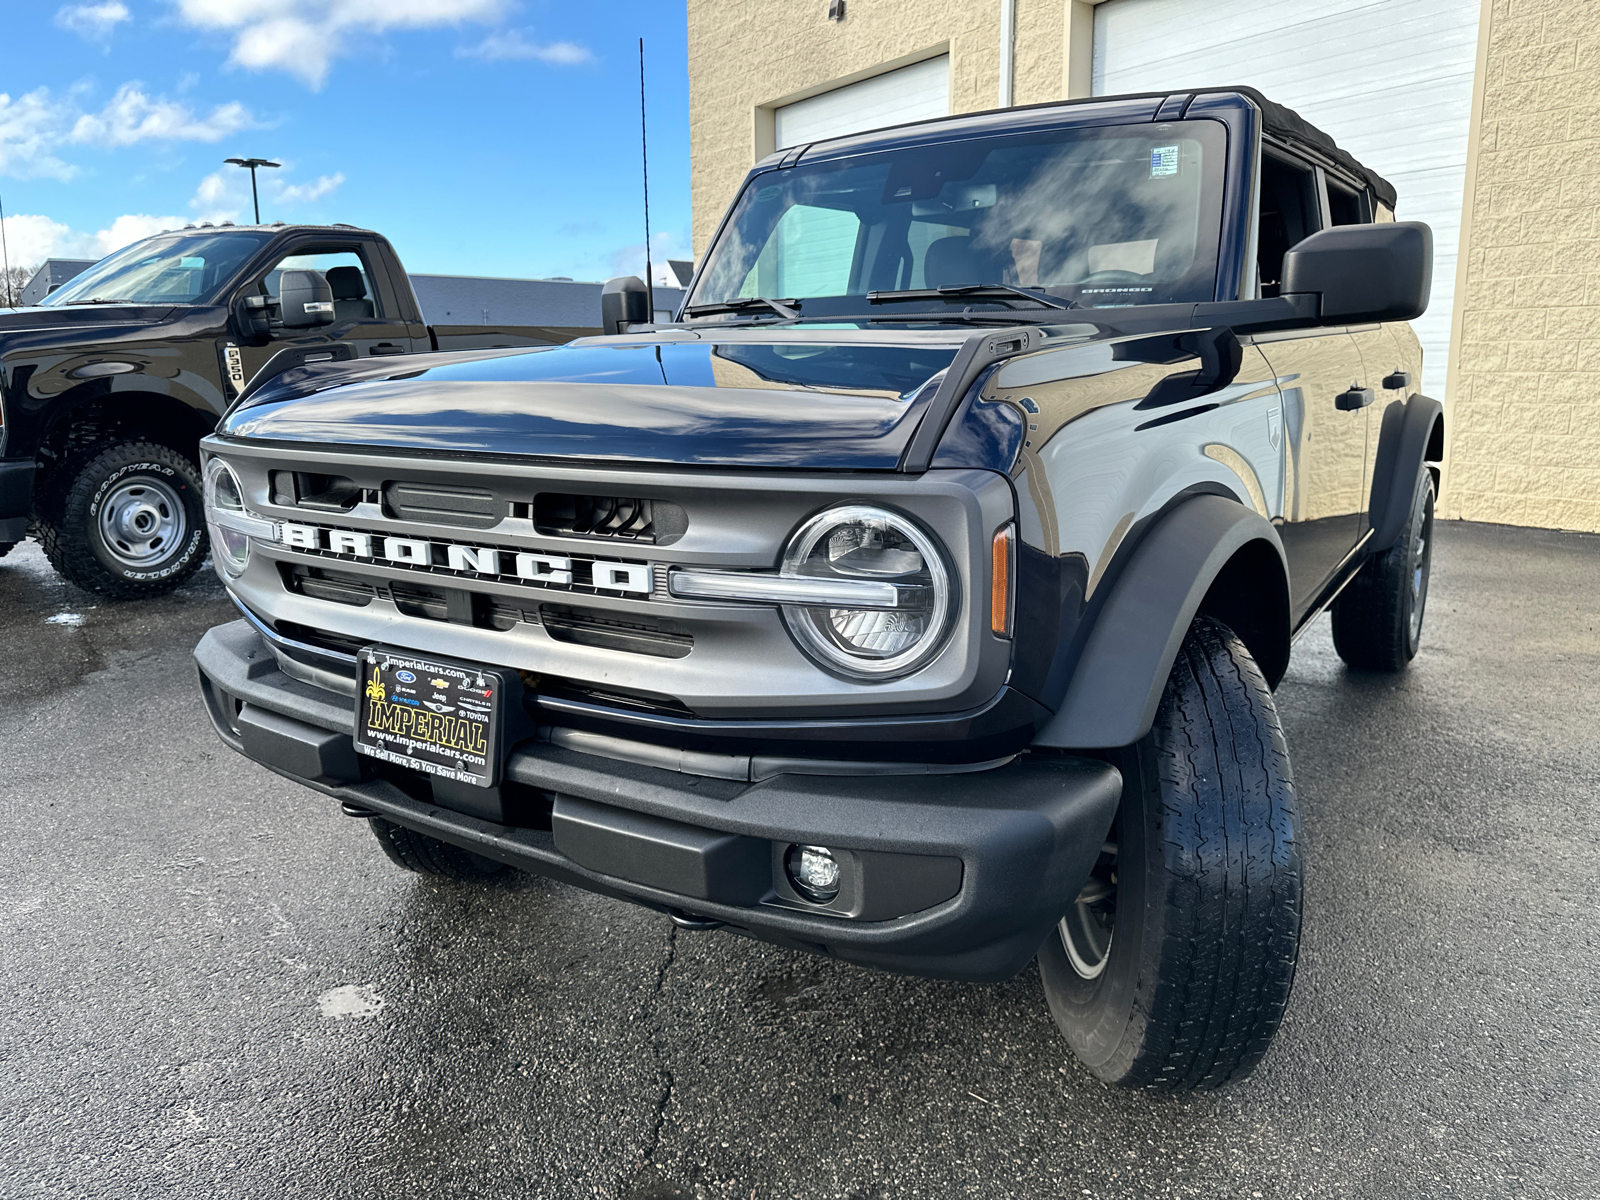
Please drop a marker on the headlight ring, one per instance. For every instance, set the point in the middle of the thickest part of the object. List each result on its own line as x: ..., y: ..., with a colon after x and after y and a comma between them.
x: 864, y: 543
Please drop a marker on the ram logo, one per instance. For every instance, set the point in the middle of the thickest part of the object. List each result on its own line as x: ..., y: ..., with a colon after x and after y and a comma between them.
x: 550, y: 570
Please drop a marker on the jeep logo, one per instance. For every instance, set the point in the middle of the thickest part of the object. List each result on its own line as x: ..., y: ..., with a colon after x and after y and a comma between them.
x: 552, y: 570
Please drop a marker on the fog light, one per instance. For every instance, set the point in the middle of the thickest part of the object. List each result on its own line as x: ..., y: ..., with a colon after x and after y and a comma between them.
x: 814, y: 872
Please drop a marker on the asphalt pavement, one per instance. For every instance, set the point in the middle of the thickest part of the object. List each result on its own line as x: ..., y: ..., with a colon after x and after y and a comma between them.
x: 213, y: 984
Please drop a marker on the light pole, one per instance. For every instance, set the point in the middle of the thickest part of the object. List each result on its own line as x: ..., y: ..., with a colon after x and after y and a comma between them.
x: 253, y: 163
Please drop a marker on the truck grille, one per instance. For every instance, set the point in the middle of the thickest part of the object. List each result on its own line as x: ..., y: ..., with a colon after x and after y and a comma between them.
x: 622, y: 518
x: 439, y: 504
x: 564, y: 623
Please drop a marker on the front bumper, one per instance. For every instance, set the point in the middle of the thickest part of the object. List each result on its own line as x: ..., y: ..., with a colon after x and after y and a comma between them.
x: 16, y: 498
x: 975, y: 867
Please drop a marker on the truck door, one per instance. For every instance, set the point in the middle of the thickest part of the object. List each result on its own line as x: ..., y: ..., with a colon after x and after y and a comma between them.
x: 1320, y: 372
x: 362, y: 324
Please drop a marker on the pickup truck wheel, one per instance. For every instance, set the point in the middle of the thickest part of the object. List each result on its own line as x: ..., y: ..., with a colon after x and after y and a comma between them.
x: 424, y: 855
x: 1377, y: 619
x: 127, y: 521
x: 1173, y: 967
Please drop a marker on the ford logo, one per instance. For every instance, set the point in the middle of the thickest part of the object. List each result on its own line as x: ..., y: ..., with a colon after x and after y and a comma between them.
x: 405, y: 676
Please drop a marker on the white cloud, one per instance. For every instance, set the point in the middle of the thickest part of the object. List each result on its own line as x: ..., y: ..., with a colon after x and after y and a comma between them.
x: 30, y: 238
x: 304, y: 193
x: 34, y: 127
x: 93, y: 22
x: 303, y: 37
x: 511, y: 44
x: 131, y: 116
x: 220, y: 196
x: 225, y: 195
x: 31, y: 127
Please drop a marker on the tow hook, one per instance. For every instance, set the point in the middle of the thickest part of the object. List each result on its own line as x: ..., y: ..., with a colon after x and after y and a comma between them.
x: 685, y: 920
x: 355, y: 810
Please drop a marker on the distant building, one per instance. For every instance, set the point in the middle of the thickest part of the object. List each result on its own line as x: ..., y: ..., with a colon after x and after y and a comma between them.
x: 52, y: 275
x: 556, y: 304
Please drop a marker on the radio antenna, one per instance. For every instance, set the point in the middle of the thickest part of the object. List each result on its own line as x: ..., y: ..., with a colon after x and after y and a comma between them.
x: 5, y: 258
x: 644, y: 149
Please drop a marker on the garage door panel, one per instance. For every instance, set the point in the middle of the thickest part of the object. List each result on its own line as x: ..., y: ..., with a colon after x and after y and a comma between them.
x: 913, y: 93
x: 1389, y: 80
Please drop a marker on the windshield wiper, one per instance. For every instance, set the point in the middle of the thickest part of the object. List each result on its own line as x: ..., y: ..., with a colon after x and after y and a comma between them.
x: 972, y: 291
x: 96, y: 300
x: 741, y: 303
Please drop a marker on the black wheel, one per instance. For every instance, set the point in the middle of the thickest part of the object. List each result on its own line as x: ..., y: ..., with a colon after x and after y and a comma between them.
x: 126, y: 520
x: 429, y: 856
x: 1173, y: 967
x: 1377, y: 619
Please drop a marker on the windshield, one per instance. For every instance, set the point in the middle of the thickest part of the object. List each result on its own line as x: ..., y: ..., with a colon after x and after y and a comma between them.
x: 1100, y: 217
x: 170, y: 269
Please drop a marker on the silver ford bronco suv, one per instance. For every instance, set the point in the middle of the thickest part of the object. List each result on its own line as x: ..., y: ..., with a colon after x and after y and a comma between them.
x: 916, y: 597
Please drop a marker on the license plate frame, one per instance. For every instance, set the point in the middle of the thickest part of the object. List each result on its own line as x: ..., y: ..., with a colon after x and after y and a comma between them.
x: 454, y: 731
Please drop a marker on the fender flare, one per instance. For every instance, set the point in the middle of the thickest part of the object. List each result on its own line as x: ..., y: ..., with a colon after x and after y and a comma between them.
x: 1112, y: 696
x: 1403, y: 443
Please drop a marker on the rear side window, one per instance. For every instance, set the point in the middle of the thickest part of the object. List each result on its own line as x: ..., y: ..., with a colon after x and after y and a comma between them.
x: 1288, y: 215
x: 1346, y: 206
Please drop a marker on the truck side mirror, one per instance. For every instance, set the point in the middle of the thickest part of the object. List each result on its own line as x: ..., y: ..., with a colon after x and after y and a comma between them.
x: 305, y: 299
x: 1363, y: 273
x: 624, y: 301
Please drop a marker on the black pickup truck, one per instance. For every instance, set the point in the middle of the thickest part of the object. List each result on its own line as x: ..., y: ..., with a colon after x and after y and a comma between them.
x: 107, y: 387
x: 917, y: 597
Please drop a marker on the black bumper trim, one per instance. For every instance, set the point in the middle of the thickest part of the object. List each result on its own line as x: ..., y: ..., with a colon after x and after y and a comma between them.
x: 1026, y: 833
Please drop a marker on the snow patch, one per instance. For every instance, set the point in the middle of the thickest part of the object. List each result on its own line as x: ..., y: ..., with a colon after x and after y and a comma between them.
x: 64, y: 618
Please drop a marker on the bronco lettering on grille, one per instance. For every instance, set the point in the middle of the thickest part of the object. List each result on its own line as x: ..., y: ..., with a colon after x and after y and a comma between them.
x: 551, y: 570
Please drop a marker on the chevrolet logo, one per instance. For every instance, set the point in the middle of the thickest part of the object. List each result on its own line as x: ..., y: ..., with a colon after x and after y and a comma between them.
x: 551, y: 570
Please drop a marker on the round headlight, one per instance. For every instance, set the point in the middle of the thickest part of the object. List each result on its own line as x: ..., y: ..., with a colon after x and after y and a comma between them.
x: 859, y: 542
x: 230, y: 548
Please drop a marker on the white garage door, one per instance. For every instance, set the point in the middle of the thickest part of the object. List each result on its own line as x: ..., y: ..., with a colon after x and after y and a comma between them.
x: 1389, y: 80
x: 912, y: 93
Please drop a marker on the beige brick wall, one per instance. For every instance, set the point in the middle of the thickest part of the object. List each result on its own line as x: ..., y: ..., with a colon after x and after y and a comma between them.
x: 1525, y: 390
x: 745, y: 55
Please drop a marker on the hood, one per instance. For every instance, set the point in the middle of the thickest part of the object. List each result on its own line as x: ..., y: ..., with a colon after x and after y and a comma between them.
x: 50, y: 316
x: 821, y: 399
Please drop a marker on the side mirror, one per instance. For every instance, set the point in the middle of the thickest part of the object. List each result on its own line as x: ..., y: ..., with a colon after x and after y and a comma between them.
x: 624, y: 301
x: 305, y: 299
x: 1363, y: 273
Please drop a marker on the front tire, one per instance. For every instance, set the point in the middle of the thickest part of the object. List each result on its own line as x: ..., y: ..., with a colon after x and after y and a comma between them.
x: 128, y: 521
x: 1173, y: 968
x: 1377, y: 619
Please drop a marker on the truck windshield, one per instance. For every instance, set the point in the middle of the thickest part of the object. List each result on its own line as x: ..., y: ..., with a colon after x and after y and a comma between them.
x: 167, y: 269
x: 1098, y: 217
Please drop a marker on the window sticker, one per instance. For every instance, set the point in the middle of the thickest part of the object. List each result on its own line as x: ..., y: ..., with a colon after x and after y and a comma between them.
x: 1163, y: 161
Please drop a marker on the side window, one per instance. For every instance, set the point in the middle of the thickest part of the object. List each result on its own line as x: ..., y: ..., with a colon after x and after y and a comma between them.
x: 810, y: 253
x: 1288, y: 216
x: 1346, y: 206
x: 354, y: 297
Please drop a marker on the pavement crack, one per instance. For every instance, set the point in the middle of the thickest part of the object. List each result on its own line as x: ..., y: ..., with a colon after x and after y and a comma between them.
x: 664, y: 1077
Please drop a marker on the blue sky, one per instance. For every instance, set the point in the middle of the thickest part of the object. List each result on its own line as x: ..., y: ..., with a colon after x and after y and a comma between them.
x: 483, y: 137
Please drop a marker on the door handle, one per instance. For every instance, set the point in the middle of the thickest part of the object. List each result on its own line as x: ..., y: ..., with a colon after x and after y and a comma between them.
x: 1396, y: 381
x: 391, y: 348
x: 1356, y: 397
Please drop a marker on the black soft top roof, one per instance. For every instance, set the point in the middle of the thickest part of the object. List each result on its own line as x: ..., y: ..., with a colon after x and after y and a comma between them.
x: 1289, y: 125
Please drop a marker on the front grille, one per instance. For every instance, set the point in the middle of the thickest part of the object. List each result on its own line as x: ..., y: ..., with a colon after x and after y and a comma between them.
x: 660, y: 639
x: 440, y: 504
x: 621, y: 518
x: 564, y: 623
